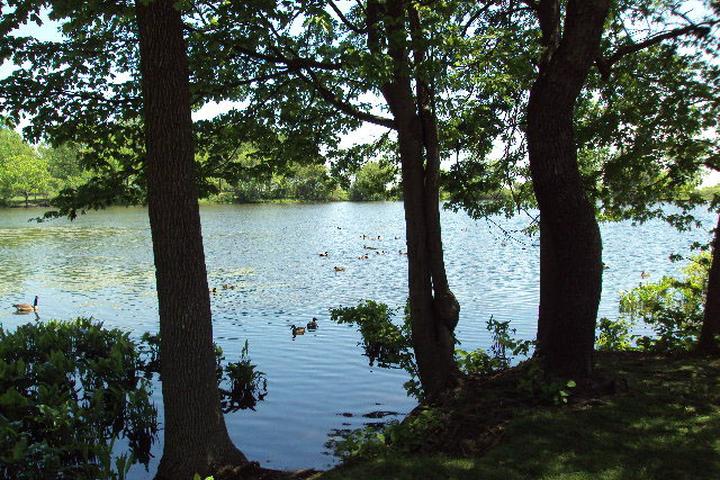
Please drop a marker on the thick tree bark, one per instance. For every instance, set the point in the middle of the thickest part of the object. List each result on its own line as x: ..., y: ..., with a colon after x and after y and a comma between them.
x: 434, y: 311
x: 196, y: 439
x: 570, y: 244
x: 711, y: 322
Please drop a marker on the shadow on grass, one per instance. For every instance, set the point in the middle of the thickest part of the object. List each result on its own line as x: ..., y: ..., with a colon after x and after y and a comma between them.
x: 667, y: 426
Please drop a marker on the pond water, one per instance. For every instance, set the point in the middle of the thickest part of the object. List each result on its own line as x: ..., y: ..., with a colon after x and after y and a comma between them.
x: 101, y: 266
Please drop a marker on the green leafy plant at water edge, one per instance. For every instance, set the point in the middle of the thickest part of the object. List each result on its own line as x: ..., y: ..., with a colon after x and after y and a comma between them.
x: 614, y: 335
x: 390, y: 345
x: 374, y: 440
x: 385, y: 343
x: 672, y: 307
x: 68, y: 391
x: 240, y: 383
x: 504, y: 348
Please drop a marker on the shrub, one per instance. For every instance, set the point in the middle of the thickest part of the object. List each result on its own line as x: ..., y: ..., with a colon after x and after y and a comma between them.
x: 390, y: 345
x: 68, y: 391
x: 672, y: 308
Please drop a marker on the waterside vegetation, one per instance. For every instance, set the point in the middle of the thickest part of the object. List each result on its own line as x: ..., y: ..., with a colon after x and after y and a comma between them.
x: 567, y: 112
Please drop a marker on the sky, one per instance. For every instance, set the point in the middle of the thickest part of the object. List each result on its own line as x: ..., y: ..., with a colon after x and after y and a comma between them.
x: 50, y: 31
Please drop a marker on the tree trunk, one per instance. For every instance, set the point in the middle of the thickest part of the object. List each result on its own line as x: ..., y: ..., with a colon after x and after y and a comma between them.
x: 27, y: 199
x: 570, y: 244
x: 711, y: 322
x: 433, y: 338
x: 434, y: 310
x: 196, y: 439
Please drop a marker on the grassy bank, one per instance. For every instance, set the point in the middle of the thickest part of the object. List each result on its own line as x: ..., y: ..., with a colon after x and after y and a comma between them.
x: 661, y: 422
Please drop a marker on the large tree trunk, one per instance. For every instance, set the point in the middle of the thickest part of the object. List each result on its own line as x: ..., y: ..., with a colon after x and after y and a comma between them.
x: 196, y: 439
x: 570, y: 244
x: 711, y: 323
x: 434, y: 311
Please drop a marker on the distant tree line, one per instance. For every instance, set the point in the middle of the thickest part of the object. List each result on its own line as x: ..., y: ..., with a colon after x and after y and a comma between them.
x: 39, y: 173
x: 310, y: 183
x: 599, y: 119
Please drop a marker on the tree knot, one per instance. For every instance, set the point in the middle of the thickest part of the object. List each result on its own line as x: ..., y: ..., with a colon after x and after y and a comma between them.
x: 447, y: 309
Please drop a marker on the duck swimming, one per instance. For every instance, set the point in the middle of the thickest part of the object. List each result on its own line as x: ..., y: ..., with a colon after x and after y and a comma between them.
x: 26, y: 307
x: 339, y: 269
x: 297, y: 330
x: 312, y: 324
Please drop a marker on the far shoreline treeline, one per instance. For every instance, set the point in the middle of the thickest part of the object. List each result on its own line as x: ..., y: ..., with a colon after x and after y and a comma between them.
x: 34, y: 176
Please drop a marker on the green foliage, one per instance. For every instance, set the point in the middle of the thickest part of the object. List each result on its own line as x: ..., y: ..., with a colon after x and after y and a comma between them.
x: 293, y: 181
x: 25, y: 175
x: 373, y: 441
x: 641, y: 126
x: 504, y: 344
x: 22, y: 171
x: 372, y: 182
x: 390, y: 345
x: 47, y: 171
x: 710, y: 193
x: 614, y: 335
x: 385, y: 343
x: 311, y: 183
x: 543, y: 388
x: 503, y: 349
x: 240, y: 383
x: 642, y: 135
x: 672, y: 307
x: 65, y: 167
x: 68, y: 391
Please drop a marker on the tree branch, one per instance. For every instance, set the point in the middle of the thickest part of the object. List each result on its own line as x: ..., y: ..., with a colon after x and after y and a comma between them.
x: 605, y: 64
x: 345, y: 20
x: 312, y: 79
x: 297, y: 62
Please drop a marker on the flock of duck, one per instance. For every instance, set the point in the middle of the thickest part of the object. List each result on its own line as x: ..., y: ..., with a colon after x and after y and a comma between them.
x: 364, y: 256
x: 311, y: 326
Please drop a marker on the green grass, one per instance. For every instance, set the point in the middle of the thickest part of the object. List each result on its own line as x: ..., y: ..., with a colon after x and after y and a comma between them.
x: 665, y: 426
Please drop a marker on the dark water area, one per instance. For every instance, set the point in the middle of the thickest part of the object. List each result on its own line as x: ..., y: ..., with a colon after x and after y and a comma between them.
x: 101, y: 266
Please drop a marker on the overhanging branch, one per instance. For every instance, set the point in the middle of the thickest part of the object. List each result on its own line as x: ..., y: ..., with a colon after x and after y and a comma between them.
x: 605, y: 64
x: 312, y: 79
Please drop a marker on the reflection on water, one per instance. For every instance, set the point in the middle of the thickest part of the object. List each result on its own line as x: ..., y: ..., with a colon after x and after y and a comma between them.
x: 264, y: 263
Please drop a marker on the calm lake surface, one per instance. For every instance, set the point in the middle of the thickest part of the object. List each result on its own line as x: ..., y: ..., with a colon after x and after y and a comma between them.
x: 101, y: 266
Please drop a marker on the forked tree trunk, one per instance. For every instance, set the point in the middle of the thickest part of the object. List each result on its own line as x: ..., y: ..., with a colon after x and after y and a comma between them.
x: 434, y: 311
x: 570, y: 244
x: 711, y: 322
x: 195, y: 436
